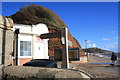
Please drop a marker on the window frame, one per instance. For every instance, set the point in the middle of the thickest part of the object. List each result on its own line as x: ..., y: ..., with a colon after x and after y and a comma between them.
x: 26, y: 45
x: 24, y: 38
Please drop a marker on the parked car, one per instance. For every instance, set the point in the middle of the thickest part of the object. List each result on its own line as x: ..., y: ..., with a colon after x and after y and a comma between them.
x: 42, y: 63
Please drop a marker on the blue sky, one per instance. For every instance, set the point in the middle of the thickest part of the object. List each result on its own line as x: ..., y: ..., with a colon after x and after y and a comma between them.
x: 96, y: 22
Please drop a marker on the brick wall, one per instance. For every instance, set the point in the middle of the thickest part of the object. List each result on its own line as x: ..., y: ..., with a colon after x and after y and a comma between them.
x: 24, y: 60
x: 55, y: 43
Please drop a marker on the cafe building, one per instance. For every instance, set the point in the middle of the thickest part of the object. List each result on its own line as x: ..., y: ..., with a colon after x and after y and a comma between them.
x: 30, y: 46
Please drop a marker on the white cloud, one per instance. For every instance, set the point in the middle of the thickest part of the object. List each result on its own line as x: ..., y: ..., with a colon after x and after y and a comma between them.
x: 88, y: 41
x: 94, y: 45
x: 113, y: 31
x: 116, y: 37
x: 105, y: 39
x: 105, y: 48
x: 89, y: 45
x: 112, y: 46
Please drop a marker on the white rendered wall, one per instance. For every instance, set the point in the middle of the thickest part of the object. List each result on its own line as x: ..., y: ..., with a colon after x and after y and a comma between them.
x: 31, y: 33
x: 32, y: 29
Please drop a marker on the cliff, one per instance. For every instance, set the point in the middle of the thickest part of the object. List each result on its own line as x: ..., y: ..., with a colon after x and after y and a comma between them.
x: 34, y: 14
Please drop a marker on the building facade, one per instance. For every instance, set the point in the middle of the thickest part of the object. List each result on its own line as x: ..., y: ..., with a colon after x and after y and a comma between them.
x: 30, y: 46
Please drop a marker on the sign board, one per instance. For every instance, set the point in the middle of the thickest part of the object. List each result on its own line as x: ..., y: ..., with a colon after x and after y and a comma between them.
x: 74, y: 54
x: 63, y: 33
x: 69, y: 43
x: 51, y: 35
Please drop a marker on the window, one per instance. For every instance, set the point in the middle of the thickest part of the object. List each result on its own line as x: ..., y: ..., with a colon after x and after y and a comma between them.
x: 25, y: 48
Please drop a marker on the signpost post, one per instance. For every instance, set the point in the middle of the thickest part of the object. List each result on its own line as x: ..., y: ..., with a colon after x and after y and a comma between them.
x: 65, y: 58
x: 64, y: 38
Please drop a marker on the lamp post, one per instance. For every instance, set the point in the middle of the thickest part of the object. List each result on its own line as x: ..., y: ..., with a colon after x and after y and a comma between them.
x: 86, y: 50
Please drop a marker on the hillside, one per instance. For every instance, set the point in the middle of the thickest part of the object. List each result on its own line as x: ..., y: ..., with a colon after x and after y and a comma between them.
x: 34, y: 14
x: 96, y: 50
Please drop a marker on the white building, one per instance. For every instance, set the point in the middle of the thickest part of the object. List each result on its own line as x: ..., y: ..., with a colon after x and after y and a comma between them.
x: 30, y: 46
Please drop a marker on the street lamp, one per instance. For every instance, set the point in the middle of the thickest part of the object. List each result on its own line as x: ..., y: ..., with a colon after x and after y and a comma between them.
x: 86, y: 43
x: 86, y: 49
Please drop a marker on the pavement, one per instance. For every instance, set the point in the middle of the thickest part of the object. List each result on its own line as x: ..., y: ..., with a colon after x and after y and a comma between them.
x: 72, y: 64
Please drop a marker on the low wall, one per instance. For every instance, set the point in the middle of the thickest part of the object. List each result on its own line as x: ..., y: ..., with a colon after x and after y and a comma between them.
x: 83, y: 59
x: 26, y: 73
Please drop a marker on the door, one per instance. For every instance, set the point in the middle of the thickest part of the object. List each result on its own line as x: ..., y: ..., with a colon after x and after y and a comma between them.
x: 39, y: 51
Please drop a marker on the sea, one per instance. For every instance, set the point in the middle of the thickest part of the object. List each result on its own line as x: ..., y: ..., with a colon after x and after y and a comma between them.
x: 106, y: 55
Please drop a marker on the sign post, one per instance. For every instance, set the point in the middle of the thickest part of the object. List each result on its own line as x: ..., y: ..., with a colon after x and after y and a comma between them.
x: 65, y: 59
x: 63, y: 34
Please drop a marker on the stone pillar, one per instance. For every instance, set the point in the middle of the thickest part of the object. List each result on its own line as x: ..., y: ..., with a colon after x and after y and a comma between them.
x: 8, y: 47
x: 6, y: 41
x: 1, y: 32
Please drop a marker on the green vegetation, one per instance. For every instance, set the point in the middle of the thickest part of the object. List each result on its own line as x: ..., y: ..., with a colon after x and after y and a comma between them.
x: 96, y: 50
x: 34, y: 14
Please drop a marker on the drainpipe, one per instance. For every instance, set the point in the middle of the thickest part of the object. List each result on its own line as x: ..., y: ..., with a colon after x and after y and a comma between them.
x: 16, y: 48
